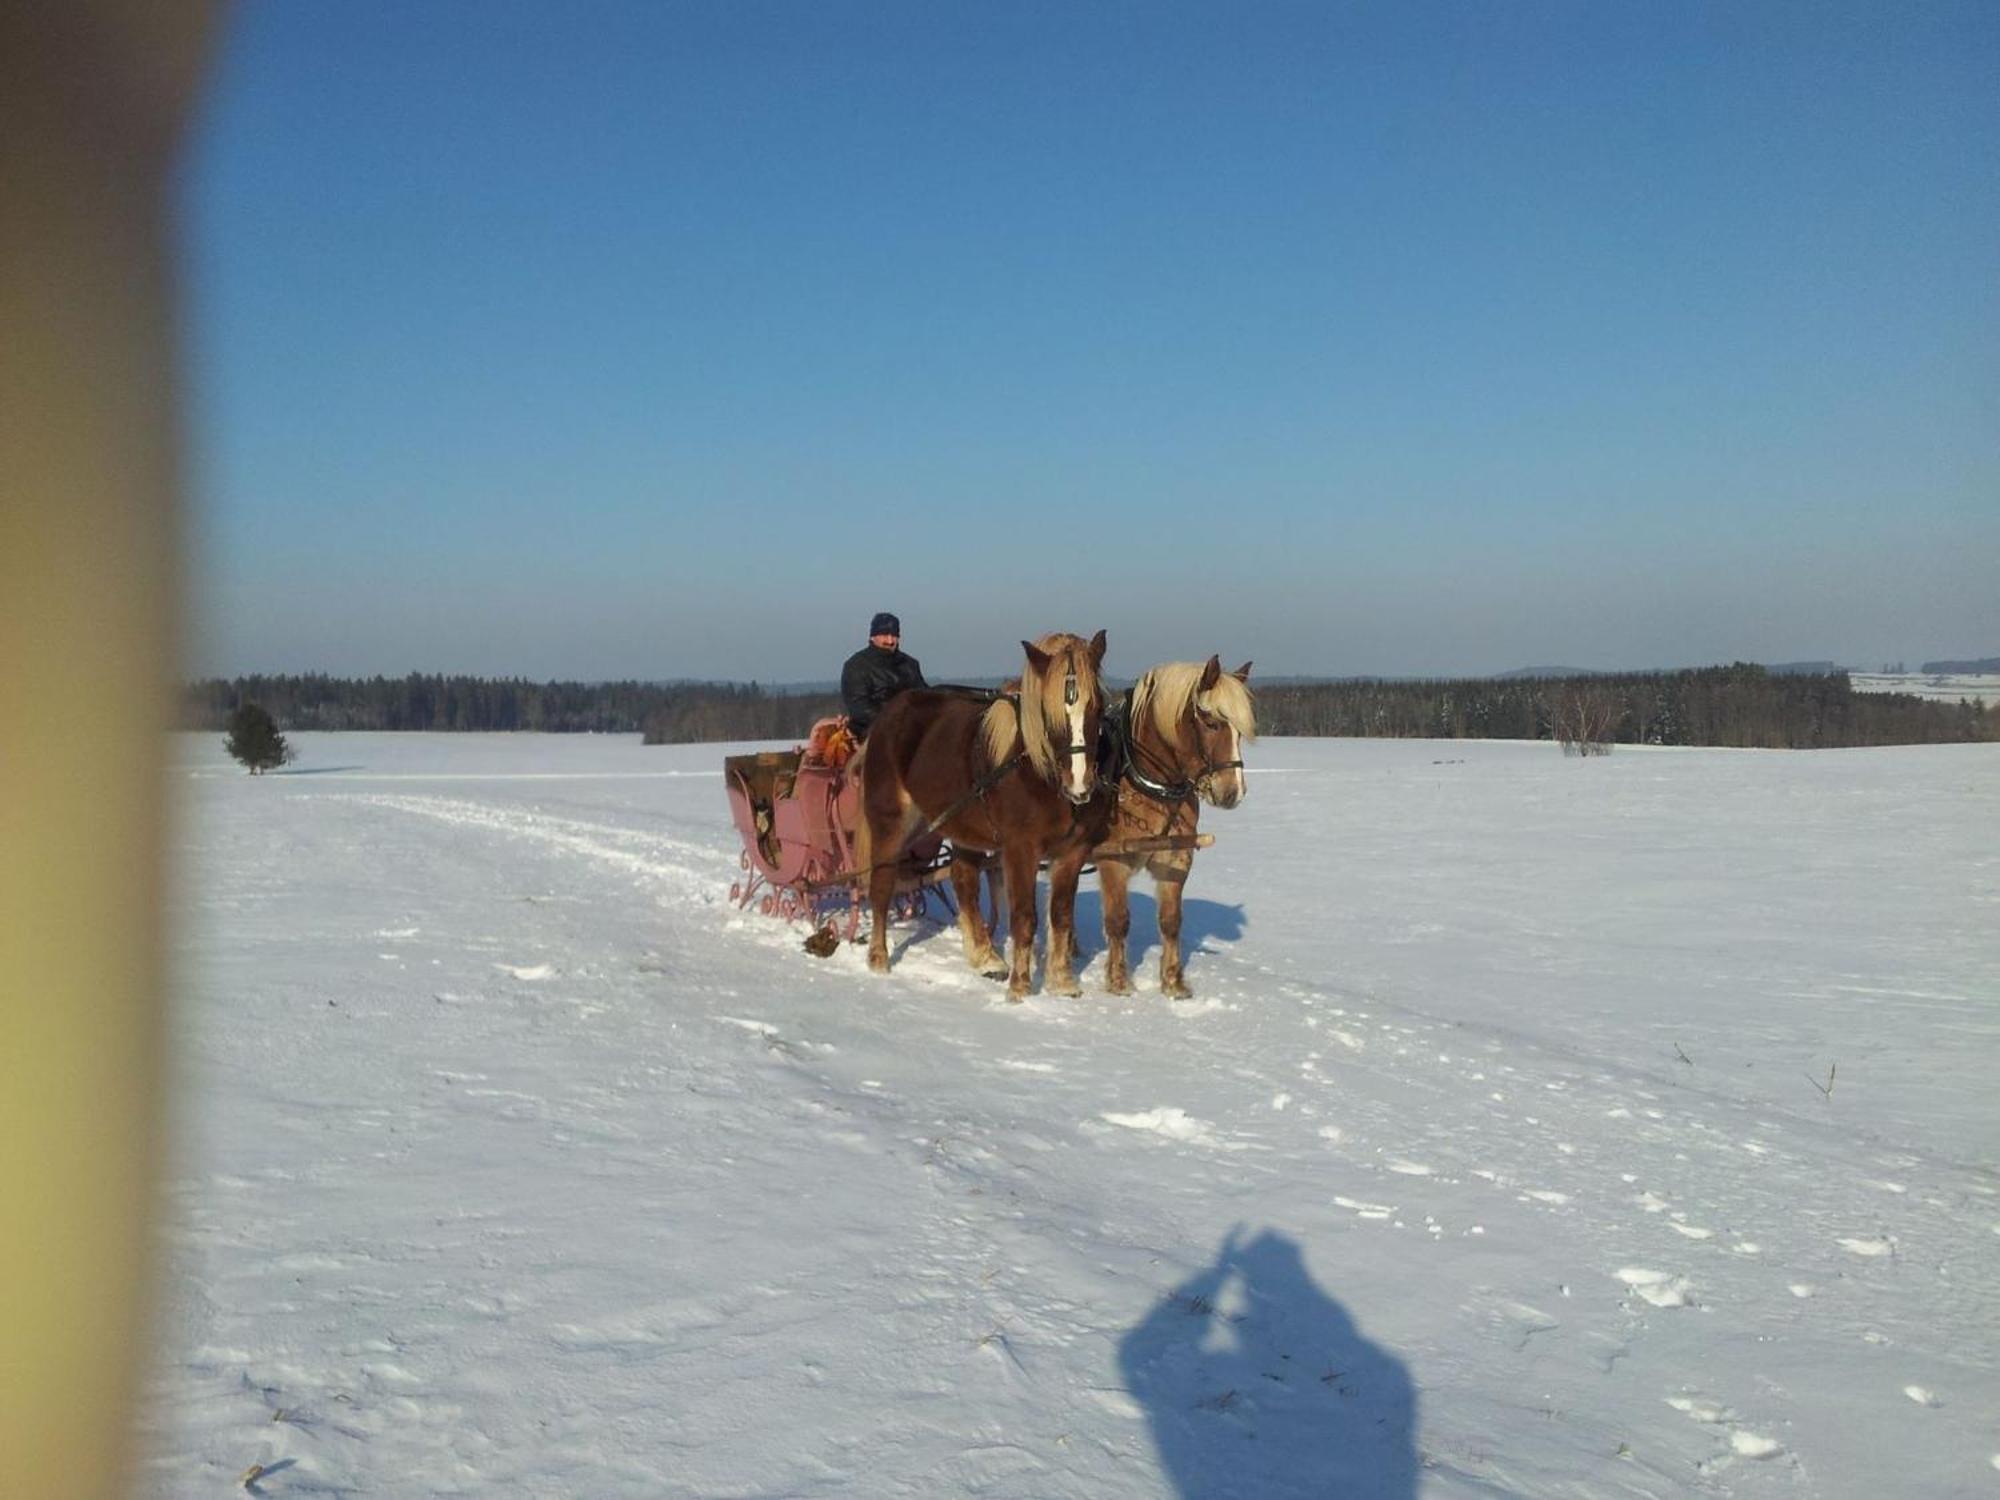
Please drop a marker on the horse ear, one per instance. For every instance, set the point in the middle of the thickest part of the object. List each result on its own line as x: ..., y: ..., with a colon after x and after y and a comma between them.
x: 1209, y: 674
x: 1097, y: 649
x: 1039, y: 660
x: 1242, y: 673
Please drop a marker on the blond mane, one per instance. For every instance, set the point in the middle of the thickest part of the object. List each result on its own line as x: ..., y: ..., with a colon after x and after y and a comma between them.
x: 1005, y: 731
x: 1166, y: 693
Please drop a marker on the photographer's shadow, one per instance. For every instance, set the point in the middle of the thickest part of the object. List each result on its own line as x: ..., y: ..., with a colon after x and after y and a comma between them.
x: 1257, y: 1384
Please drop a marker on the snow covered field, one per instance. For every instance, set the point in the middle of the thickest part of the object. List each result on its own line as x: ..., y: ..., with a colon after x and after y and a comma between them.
x: 1939, y: 687
x: 1544, y: 1127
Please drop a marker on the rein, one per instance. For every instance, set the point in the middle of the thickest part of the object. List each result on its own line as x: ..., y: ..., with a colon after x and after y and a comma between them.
x: 996, y: 695
x: 977, y: 792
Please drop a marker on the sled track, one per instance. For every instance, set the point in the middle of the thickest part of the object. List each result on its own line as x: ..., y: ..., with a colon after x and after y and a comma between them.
x: 692, y: 867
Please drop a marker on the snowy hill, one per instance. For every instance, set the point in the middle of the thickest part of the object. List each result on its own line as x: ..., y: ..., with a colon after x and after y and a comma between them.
x: 1545, y: 1127
x: 1939, y: 687
x: 1988, y: 666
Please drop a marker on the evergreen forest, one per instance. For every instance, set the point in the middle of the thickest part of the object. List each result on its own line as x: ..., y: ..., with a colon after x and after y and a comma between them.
x: 1740, y: 705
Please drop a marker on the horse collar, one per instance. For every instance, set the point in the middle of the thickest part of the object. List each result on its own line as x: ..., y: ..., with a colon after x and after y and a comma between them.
x: 1165, y: 791
x: 1159, y: 791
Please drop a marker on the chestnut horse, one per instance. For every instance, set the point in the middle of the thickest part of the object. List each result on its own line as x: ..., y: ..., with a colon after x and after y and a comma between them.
x: 1011, y: 776
x: 1180, y: 745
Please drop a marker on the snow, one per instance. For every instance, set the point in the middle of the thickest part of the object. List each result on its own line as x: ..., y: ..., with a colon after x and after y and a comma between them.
x: 510, y: 1159
x: 1176, y: 1125
x: 1751, y: 1445
x: 1939, y: 687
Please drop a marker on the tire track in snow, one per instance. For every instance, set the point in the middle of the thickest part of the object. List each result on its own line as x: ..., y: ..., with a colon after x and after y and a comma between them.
x: 695, y: 867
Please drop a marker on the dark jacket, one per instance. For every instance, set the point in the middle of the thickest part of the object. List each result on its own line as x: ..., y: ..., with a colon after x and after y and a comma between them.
x: 871, y: 678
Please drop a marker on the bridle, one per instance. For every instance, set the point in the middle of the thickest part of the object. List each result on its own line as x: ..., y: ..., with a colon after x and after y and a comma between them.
x: 1071, y: 693
x: 1078, y: 745
x: 1157, y: 787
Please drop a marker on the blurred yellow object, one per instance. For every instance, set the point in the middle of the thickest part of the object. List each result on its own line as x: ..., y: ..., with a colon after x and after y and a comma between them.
x: 93, y: 96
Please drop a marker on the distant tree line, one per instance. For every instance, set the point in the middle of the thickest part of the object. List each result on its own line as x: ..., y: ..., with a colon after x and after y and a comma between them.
x: 1741, y: 705
x: 664, y: 712
x: 730, y: 711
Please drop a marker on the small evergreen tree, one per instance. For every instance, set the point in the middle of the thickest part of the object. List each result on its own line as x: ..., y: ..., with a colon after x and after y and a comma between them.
x: 254, y: 739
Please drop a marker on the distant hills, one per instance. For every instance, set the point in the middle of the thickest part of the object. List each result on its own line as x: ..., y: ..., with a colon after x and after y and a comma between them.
x: 1780, y: 669
x: 1981, y: 667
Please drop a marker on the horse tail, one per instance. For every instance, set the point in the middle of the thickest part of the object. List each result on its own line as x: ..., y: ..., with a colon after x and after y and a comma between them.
x: 864, y: 832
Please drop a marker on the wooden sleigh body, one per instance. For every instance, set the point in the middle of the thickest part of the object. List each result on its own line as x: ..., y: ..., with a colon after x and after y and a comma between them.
x: 797, y: 812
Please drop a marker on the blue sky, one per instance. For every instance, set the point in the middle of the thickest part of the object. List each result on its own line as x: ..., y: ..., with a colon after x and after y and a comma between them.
x: 669, y: 340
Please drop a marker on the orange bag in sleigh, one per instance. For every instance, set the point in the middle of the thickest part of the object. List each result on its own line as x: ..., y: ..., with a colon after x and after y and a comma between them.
x: 831, y: 743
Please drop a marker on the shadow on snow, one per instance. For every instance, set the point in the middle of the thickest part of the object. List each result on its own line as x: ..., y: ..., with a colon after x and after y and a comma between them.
x: 1256, y: 1383
x: 1200, y: 920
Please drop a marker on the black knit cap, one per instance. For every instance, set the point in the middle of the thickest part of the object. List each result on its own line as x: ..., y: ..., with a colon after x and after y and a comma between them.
x: 885, y: 624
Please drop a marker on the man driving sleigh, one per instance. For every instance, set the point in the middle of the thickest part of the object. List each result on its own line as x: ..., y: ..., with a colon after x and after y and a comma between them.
x: 876, y: 673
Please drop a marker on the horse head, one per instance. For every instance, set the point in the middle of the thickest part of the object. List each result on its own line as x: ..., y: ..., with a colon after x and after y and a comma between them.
x: 1062, y: 707
x: 1198, y: 717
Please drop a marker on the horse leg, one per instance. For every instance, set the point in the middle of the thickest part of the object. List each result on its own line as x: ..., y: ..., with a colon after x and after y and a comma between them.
x: 1167, y: 881
x: 1020, y: 860
x: 1059, y: 977
x: 880, y: 837
x: 881, y: 886
x: 965, y: 877
x: 1113, y: 876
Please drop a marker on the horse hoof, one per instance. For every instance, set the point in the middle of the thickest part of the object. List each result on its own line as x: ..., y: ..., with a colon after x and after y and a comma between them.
x: 1120, y: 987
x: 1069, y: 989
x: 878, y: 963
x: 994, y: 971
